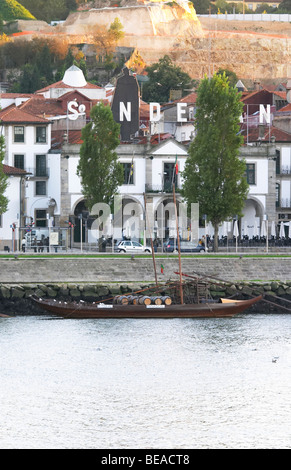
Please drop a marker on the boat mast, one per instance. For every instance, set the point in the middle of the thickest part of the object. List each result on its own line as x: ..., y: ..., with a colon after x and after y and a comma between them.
x: 179, y: 250
x: 152, y: 246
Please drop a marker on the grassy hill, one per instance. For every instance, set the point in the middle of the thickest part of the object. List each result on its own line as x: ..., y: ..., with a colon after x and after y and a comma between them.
x: 12, y: 10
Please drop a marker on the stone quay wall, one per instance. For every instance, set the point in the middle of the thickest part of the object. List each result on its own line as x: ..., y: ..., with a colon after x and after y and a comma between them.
x: 91, y: 279
x: 140, y: 270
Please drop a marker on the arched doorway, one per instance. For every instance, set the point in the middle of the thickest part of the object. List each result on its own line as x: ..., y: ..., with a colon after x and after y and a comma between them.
x: 132, y: 219
x: 253, y: 213
x: 165, y: 219
x: 81, y: 220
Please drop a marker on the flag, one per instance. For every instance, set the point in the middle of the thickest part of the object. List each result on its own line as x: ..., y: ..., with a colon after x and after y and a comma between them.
x: 162, y: 269
x: 175, y: 170
x: 130, y: 176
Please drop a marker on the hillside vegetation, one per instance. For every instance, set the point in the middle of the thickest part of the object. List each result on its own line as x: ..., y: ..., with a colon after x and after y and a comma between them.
x: 12, y: 10
x: 50, y: 10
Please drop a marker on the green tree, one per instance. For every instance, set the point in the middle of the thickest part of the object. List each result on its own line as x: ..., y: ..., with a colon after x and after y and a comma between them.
x: 98, y: 167
x: 66, y: 64
x: 115, y: 31
x: 49, y: 10
x: 232, y: 77
x: 3, y: 178
x: 214, y: 174
x: 83, y: 66
x: 202, y: 6
x: 30, y: 80
x: 163, y: 77
x: 44, y: 64
x: 285, y: 6
x: 13, y: 10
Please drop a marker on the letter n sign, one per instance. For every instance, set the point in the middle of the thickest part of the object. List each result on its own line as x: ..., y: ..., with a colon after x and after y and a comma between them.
x: 125, y: 105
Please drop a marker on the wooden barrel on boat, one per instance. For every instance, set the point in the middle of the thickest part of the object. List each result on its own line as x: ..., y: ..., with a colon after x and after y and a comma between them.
x: 166, y: 300
x: 144, y: 300
x: 134, y: 299
x: 122, y: 300
x: 157, y: 300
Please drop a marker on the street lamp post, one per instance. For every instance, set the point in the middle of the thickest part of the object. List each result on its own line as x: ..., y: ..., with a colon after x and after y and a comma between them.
x: 236, y: 232
x: 81, y: 230
x: 204, y: 217
x: 267, y: 232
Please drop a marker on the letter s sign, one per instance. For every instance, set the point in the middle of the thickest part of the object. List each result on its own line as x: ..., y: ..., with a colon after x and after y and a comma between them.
x: 75, y: 110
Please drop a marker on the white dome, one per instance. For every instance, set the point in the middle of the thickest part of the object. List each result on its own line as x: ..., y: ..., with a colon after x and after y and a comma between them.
x: 74, y: 77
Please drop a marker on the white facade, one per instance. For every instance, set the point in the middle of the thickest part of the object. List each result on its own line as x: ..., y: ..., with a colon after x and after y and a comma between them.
x: 8, y: 237
x: 43, y: 182
x: 54, y: 187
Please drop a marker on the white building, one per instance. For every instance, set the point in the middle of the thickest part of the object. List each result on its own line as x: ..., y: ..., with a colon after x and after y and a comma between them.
x: 43, y: 140
x: 9, y: 221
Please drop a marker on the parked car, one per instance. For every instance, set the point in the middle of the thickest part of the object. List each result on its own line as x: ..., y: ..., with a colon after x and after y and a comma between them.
x: 186, y: 247
x: 127, y: 246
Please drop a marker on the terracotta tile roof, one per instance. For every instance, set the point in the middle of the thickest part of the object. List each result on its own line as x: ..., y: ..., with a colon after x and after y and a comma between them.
x: 285, y: 109
x: 61, y: 84
x: 57, y: 138
x: 189, y: 99
x: 144, y: 110
x: 282, y: 94
x: 156, y: 138
x: 38, y: 105
x: 13, y: 114
x: 15, y: 95
x: 263, y: 91
x: 12, y: 171
x: 252, y: 134
x: 48, y: 107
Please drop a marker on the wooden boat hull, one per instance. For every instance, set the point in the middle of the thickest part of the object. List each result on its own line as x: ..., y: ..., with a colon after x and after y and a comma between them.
x: 203, y: 310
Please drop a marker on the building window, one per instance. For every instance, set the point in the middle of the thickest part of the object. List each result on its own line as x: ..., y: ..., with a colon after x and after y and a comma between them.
x: 41, y: 134
x: 251, y: 173
x: 40, y: 165
x: 19, y: 161
x: 18, y: 133
x: 170, y: 177
x: 40, y: 188
x: 40, y: 218
x: 128, y: 173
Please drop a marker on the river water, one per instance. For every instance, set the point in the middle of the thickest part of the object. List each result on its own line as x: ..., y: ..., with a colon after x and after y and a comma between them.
x: 145, y: 384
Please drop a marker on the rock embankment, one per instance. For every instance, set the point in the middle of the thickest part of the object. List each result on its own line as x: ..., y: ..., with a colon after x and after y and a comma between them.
x: 15, y: 299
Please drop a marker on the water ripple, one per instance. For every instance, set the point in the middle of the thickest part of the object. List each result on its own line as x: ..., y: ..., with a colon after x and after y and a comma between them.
x: 145, y: 384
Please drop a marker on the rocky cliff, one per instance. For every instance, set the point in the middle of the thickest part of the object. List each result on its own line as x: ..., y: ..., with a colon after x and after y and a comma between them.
x: 175, y: 19
x: 156, y: 28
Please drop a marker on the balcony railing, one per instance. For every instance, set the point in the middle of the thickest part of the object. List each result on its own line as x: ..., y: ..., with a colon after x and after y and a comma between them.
x: 39, y: 172
x: 284, y: 203
x: 160, y: 188
x: 285, y: 170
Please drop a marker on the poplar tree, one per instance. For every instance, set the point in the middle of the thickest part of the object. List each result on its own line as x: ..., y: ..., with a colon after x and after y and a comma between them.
x: 165, y: 76
x: 214, y: 175
x: 3, y: 179
x: 100, y: 171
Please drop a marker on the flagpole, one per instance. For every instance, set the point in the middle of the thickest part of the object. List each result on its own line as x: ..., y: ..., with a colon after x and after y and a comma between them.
x: 179, y: 250
x: 152, y: 246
